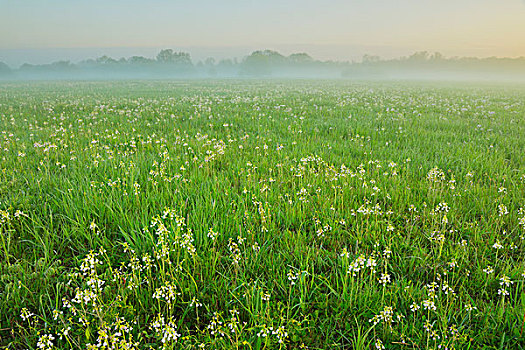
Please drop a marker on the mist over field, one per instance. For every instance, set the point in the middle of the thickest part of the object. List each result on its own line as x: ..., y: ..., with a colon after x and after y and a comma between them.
x: 170, y: 64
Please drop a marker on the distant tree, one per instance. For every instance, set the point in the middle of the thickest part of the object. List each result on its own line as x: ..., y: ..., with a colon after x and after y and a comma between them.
x: 256, y: 64
x: 165, y: 56
x: 370, y: 58
x: 168, y: 56
x: 27, y: 67
x: 140, y: 60
x: 226, y: 63
x: 274, y: 57
x: 61, y: 65
x: 420, y: 56
x: 262, y: 62
x: 226, y: 67
x: 300, y: 58
x: 210, y: 61
x: 88, y: 62
x: 209, y: 66
x: 437, y: 56
x: 105, y: 60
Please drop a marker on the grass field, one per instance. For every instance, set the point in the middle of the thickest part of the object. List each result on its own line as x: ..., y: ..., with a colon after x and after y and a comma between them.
x: 262, y: 215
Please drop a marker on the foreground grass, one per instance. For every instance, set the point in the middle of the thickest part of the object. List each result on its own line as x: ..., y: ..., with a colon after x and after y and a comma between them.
x: 261, y: 215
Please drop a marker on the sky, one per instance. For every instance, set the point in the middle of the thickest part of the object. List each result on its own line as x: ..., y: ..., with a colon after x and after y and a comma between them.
x: 37, y: 31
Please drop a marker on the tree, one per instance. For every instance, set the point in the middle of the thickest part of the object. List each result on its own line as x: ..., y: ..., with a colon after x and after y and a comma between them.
x: 437, y: 56
x: 256, y: 64
x: 300, y: 58
x: 420, y: 56
x: 61, y: 65
x: 168, y: 56
x: 370, y: 58
x: 106, y: 60
x: 262, y: 62
x: 140, y: 60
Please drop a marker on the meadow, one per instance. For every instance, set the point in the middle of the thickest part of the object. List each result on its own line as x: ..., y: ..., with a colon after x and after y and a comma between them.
x: 262, y: 215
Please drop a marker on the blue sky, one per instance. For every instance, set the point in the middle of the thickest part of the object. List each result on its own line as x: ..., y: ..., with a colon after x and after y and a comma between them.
x: 329, y: 29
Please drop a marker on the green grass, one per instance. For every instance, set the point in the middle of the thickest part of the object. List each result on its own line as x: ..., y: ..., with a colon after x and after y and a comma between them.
x: 262, y: 215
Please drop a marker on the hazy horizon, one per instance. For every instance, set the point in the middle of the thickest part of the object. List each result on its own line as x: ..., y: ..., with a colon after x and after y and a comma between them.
x: 331, y: 30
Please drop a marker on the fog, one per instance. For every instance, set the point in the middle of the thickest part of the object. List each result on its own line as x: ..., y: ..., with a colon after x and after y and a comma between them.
x: 270, y: 64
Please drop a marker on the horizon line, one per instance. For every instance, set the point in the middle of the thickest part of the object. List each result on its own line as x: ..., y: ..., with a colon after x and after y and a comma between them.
x: 249, y: 52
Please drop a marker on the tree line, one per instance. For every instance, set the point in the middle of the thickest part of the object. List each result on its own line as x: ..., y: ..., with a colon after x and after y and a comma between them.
x: 268, y: 63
